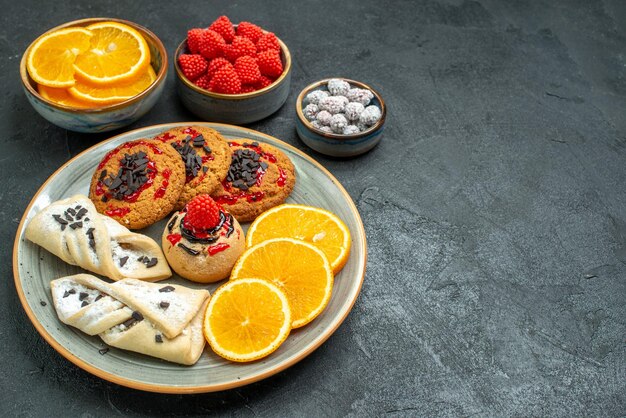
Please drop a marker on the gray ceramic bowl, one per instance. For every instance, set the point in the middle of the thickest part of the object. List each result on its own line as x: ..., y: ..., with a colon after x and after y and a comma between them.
x: 337, y: 145
x: 103, y: 118
x: 234, y: 108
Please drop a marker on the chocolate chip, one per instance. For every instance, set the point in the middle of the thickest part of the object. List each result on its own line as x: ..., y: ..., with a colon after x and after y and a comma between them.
x: 98, y: 298
x: 103, y: 174
x: 68, y: 216
x: 105, y: 198
x: 85, y: 303
x: 71, y: 211
x: 205, y: 169
x: 137, y: 316
x: 72, y: 291
x: 129, y: 322
x: 82, y: 212
x: 164, y: 304
x: 82, y: 295
x: 158, y: 338
x: 90, y: 232
x: 123, y: 261
x: 167, y: 289
x: 42, y: 303
x: 206, y: 149
x: 103, y: 351
x: 140, y: 259
x: 66, y: 294
x: 59, y: 219
x: 92, y: 244
x: 76, y: 225
x: 130, y: 177
x: 153, y: 262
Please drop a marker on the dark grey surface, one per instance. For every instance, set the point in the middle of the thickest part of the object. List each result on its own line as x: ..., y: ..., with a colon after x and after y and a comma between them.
x: 495, y: 209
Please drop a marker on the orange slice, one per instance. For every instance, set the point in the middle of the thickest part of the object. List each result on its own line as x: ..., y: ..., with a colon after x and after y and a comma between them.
x: 100, y: 96
x: 62, y: 97
x: 118, y: 53
x: 314, y: 225
x: 247, y: 319
x: 50, y: 61
x: 298, y: 268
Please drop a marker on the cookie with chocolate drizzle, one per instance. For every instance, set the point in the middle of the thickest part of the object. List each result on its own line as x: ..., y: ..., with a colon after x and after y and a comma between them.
x: 206, y: 156
x: 260, y: 177
x: 203, y: 241
x: 138, y: 183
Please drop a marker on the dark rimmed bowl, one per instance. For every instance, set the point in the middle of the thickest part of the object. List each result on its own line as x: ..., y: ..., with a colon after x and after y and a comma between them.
x: 338, y: 145
x: 234, y: 108
x: 105, y: 118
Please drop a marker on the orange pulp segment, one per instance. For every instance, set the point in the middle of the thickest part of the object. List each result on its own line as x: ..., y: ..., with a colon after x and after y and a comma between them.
x: 298, y: 268
x: 247, y: 319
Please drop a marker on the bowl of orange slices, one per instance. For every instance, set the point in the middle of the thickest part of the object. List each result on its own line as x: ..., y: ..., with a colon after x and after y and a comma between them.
x: 94, y: 75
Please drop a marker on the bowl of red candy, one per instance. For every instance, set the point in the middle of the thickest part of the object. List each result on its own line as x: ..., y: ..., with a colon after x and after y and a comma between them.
x: 232, y: 73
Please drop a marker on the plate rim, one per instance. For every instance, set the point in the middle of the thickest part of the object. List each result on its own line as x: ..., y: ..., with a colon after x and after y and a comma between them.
x: 158, y: 388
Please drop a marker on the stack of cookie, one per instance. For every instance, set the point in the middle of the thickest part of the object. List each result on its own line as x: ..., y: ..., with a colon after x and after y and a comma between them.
x: 141, y: 182
x: 211, y: 183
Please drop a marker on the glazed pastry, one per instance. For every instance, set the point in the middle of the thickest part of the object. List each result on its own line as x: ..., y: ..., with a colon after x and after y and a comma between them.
x: 202, y: 243
x: 163, y: 321
x: 260, y: 177
x: 74, y: 231
x: 206, y: 156
x: 138, y: 183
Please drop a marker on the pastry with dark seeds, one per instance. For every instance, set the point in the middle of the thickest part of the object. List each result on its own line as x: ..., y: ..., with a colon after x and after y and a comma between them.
x: 74, y: 231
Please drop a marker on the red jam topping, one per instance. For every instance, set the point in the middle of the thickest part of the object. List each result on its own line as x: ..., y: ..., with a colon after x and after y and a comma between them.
x: 165, y: 137
x: 166, y: 181
x: 174, y: 238
x: 127, y: 145
x: 217, y: 248
x: 260, y: 173
x: 206, y: 158
x: 117, y: 212
x: 282, y: 177
x: 191, y: 131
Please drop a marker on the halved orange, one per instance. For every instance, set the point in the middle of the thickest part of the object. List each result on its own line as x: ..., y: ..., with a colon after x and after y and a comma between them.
x: 100, y: 96
x: 50, y: 61
x: 118, y: 53
x: 62, y: 97
x: 314, y: 225
x: 298, y: 268
x: 247, y: 319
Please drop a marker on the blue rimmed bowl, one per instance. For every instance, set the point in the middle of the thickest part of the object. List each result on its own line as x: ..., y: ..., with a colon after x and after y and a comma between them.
x: 338, y: 145
x: 234, y: 108
x: 104, y: 118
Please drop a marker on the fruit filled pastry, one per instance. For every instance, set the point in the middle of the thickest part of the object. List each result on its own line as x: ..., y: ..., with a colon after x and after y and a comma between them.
x: 260, y: 177
x: 163, y: 321
x: 73, y: 230
x: 206, y: 156
x: 203, y: 241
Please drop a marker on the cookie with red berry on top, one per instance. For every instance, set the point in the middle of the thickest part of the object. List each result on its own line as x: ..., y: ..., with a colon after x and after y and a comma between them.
x: 260, y: 177
x: 203, y: 241
x: 206, y: 156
